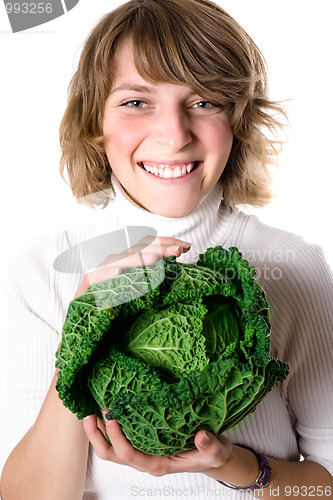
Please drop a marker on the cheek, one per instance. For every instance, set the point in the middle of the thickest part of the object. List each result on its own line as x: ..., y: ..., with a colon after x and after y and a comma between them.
x: 218, y: 137
x: 121, y: 136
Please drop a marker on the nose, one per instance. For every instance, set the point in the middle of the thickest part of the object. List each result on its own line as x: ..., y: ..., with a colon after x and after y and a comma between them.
x: 172, y: 129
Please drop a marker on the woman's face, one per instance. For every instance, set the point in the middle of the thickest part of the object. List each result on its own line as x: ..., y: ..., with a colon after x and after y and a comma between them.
x: 166, y: 145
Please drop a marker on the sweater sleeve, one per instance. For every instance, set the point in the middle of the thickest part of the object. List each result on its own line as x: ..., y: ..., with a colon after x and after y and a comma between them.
x: 35, y: 305
x: 298, y: 283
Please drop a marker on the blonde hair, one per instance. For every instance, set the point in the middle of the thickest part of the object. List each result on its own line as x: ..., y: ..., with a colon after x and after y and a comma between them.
x: 191, y: 42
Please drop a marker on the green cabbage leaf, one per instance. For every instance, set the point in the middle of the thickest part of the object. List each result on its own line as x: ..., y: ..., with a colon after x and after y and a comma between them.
x: 170, y: 349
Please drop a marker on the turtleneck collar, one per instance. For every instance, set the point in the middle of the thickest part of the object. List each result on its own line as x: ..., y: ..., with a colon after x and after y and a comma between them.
x: 205, y: 227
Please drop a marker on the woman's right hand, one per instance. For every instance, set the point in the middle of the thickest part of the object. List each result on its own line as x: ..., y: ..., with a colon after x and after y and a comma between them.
x: 144, y: 253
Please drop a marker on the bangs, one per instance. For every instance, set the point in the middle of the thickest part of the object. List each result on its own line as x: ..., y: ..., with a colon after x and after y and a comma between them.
x: 178, y: 46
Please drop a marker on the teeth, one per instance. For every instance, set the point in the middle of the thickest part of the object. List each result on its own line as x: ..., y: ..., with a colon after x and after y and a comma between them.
x: 168, y: 173
x: 177, y: 172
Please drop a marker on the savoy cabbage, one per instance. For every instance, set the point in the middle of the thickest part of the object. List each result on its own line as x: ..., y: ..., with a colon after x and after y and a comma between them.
x: 170, y: 349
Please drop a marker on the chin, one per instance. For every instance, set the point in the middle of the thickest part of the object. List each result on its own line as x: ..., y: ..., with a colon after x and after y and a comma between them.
x: 174, y: 211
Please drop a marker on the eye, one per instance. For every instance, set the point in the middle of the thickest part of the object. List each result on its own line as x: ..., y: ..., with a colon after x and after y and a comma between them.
x: 206, y: 105
x: 134, y: 103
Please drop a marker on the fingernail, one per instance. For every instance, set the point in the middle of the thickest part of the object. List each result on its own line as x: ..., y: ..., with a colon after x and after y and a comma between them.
x: 175, y: 249
x: 204, y: 440
x: 186, y: 248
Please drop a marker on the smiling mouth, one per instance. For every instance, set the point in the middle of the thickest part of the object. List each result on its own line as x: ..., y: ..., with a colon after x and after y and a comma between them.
x: 167, y: 171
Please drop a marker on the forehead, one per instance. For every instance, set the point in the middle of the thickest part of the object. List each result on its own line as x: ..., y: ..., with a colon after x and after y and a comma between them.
x: 145, y: 67
x: 123, y: 60
x: 125, y: 74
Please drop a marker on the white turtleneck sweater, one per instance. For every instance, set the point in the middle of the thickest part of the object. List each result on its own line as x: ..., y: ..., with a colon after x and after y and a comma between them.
x: 295, y: 418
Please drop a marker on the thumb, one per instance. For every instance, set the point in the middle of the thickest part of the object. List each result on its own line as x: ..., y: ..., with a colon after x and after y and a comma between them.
x: 218, y: 449
x: 203, y: 439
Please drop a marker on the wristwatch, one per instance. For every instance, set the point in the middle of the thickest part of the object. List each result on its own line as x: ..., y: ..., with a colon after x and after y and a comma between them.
x: 264, y: 476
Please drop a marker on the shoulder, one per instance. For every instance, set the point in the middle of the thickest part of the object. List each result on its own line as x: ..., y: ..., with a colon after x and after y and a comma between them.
x: 298, y: 283
x: 293, y: 272
x: 280, y: 254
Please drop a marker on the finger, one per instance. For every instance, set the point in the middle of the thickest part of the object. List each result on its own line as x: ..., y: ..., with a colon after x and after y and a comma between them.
x: 124, y: 450
x: 166, y: 247
x: 136, y: 259
x: 127, y: 454
x: 161, y: 247
x: 101, y: 426
x: 144, y: 253
x: 151, y: 245
x: 140, y: 256
x: 96, y: 437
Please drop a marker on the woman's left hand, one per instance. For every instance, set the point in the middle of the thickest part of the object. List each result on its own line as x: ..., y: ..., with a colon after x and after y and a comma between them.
x: 210, y: 452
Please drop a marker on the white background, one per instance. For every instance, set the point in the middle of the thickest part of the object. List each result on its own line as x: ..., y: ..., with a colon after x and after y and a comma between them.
x: 36, y: 65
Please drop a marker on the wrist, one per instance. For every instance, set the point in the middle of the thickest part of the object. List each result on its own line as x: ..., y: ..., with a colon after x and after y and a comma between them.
x: 240, y: 470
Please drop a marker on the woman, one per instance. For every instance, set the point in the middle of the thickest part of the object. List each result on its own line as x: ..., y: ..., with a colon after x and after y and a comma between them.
x: 165, y: 119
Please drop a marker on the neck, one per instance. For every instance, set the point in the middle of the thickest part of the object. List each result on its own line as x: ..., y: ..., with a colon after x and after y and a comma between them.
x: 203, y: 228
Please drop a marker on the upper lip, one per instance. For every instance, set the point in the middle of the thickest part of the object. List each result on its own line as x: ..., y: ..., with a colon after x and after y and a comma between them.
x: 170, y: 162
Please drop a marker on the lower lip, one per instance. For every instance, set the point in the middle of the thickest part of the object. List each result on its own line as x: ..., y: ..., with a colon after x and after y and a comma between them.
x: 173, y: 179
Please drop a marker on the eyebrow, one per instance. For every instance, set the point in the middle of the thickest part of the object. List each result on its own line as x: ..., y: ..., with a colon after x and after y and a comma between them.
x: 132, y: 88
